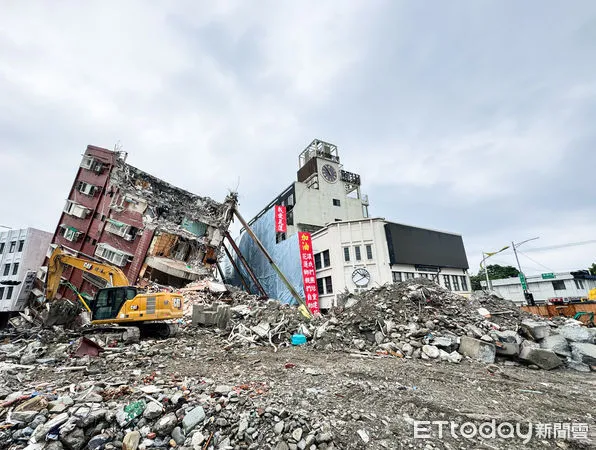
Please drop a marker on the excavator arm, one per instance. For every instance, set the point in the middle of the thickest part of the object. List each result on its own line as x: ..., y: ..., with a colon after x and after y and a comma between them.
x: 59, y: 260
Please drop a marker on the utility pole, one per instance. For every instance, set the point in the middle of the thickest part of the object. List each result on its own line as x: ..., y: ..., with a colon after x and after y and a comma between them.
x: 485, y: 256
x: 522, y: 278
x: 488, y: 286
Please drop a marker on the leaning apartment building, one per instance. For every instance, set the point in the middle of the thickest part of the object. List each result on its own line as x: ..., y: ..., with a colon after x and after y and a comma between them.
x: 120, y: 215
x: 352, y: 251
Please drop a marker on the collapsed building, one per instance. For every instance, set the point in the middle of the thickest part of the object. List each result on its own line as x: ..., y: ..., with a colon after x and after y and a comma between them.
x: 152, y: 230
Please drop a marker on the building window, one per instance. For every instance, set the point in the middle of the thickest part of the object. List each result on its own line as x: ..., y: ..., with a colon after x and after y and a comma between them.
x: 280, y: 237
x: 322, y: 260
x: 369, y: 254
x: 347, y: 254
x: 559, y: 285
x: 325, y: 285
x: 317, y: 261
x: 1, y: 292
x: 75, y: 209
x: 86, y: 188
x: 357, y: 253
x: 328, y: 285
x: 455, y: 279
x: 15, y: 268
x: 124, y: 230
x: 320, y: 286
x: 1, y: 247
x: 21, y: 245
x: 423, y: 275
x: 410, y: 276
x: 13, y: 245
x: 579, y: 284
x: 446, y: 281
x: 9, y: 293
x: 113, y: 255
x: 397, y: 277
x: 336, y: 202
x: 464, y: 282
x: 70, y: 233
x: 6, y: 269
x: 291, y: 200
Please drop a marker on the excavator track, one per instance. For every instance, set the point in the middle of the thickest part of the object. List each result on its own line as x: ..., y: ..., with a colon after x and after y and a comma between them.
x: 133, y: 334
x: 158, y: 329
x: 128, y: 335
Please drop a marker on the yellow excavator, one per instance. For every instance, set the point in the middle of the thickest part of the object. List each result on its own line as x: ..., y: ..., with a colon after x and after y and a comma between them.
x: 118, y: 304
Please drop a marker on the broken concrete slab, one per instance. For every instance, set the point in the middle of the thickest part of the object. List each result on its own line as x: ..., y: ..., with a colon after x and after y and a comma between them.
x: 477, y: 349
x: 508, y: 336
x: 507, y: 348
x: 545, y: 359
x: 534, y: 329
x: 579, y: 366
x: 557, y: 343
x: 447, y: 343
x: 584, y: 352
x: 431, y: 351
x: 576, y: 334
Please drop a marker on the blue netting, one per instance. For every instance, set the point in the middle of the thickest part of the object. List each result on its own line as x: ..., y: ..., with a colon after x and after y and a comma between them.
x: 285, y: 254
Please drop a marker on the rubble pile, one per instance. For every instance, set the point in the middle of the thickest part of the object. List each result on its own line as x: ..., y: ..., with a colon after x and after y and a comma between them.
x: 267, y: 322
x: 419, y: 319
x: 123, y: 399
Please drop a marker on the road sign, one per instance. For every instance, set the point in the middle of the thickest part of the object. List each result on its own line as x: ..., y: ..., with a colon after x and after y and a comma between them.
x: 522, y: 278
x: 547, y: 276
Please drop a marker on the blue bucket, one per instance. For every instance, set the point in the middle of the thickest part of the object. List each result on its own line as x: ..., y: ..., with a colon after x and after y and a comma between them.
x: 298, y: 339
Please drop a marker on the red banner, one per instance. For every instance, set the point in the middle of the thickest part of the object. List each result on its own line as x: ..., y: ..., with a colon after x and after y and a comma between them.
x: 309, y: 275
x: 280, y: 219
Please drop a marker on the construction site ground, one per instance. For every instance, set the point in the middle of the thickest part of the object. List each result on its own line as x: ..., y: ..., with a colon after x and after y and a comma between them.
x: 380, y: 395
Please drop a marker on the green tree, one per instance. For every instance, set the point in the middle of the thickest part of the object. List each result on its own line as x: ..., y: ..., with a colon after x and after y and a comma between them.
x: 592, y: 269
x: 495, y: 272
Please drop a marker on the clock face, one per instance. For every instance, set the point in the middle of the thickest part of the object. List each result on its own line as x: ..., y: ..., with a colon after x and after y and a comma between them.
x: 361, y: 277
x: 329, y: 173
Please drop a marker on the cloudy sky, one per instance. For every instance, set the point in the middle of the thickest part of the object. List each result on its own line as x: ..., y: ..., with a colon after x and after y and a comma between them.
x: 477, y: 117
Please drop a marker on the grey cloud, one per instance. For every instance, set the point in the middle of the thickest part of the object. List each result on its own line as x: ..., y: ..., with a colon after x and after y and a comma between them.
x: 473, y: 117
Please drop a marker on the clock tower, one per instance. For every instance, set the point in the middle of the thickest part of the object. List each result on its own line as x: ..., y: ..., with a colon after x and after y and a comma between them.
x: 328, y: 193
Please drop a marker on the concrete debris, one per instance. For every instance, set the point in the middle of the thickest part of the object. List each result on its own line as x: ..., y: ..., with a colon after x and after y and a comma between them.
x: 545, y: 359
x: 477, y: 349
x: 212, y: 387
x: 535, y: 330
x: 556, y: 343
x: 583, y: 352
x: 576, y: 333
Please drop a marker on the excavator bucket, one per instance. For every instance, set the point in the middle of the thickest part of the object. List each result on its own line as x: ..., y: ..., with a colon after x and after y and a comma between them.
x: 61, y: 313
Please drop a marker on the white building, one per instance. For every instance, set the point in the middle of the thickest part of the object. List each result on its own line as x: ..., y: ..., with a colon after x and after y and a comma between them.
x: 546, y: 288
x: 21, y: 254
x: 361, y: 254
x: 327, y: 201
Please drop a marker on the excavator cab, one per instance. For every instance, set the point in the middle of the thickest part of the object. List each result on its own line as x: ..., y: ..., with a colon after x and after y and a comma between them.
x: 108, y: 301
x: 120, y: 303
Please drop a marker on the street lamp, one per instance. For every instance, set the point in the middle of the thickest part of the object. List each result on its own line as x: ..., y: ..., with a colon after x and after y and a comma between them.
x: 522, y: 278
x: 485, y: 256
